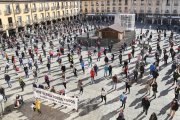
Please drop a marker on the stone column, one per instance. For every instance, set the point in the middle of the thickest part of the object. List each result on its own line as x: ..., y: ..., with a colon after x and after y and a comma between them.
x: 153, y: 21
x: 161, y: 21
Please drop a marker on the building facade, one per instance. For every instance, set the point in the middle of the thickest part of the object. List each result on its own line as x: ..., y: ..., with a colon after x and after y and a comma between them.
x: 18, y: 14
x: 147, y: 11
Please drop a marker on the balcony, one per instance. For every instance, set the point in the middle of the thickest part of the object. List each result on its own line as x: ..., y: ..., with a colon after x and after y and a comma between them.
x: 10, y: 26
x: 102, y: 4
x: 114, y: 4
x: 53, y: 8
x: 28, y: 22
x: 92, y: 4
x: 149, y: 11
x: 46, y: 8
x: 167, y: 11
x: 33, y: 10
x: 35, y: 20
x: 17, y: 11
x: 7, y: 12
x: 19, y: 24
x: 58, y: 7
x: 168, y: 4
x: 157, y: 11
x: 26, y: 10
x: 40, y: 9
x: 149, y: 4
x: 141, y: 11
x: 174, y: 11
x: 66, y: 7
x: 41, y: 19
x: 108, y: 4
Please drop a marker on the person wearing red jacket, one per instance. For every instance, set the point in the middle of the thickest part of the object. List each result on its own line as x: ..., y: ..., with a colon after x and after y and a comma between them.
x: 92, y: 73
x: 99, y: 55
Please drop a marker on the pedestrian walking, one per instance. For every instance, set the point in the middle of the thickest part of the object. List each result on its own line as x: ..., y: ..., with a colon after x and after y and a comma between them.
x: 123, y: 99
x: 145, y: 104
x: 82, y: 66
x: 173, y: 108
x: 49, y: 67
x: 121, y: 115
x: 128, y: 85
x: 64, y: 80
x: 95, y: 69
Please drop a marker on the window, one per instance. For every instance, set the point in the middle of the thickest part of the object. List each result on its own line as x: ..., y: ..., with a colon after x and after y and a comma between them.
x: 126, y: 2
x: 8, y: 9
x: 19, y: 20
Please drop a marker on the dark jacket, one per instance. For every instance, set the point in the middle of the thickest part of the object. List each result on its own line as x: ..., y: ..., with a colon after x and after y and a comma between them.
x: 154, y: 87
x: 174, y: 105
x: 176, y: 75
x: 145, y: 103
x: 7, y: 77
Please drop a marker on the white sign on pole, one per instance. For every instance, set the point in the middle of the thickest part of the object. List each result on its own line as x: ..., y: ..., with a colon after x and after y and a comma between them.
x: 56, y: 98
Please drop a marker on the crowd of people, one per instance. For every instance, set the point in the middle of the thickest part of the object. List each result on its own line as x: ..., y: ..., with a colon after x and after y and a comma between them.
x: 31, y: 50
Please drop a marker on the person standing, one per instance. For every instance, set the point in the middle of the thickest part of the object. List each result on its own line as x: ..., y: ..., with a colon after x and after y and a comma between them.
x: 64, y: 80
x: 46, y: 78
x: 145, y: 104
x: 2, y: 92
x: 173, y: 108
x: 176, y: 92
x: 153, y: 116
x: 92, y: 73
x: 175, y: 77
x: 123, y: 99
x: 110, y: 70
x: 106, y: 60
x: 106, y: 68
x: 82, y: 66
x: 99, y: 55
x: 80, y: 87
x: 129, y: 57
x: 127, y: 83
x: 121, y: 115
x: 120, y: 58
x: 49, y: 67
x: 95, y: 69
x: 114, y: 81
x: 38, y: 106
x: 21, y: 83
x: 7, y: 79
x: 103, y: 95
x: 35, y: 74
x: 154, y: 88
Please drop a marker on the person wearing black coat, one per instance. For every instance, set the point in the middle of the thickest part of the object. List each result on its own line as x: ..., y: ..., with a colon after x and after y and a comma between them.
x: 145, y: 104
x: 110, y: 70
x: 141, y: 71
x: 175, y: 77
x: 176, y: 92
x: 154, y: 88
x: 2, y: 92
x: 174, y: 107
x: 106, y: 60
x: 155, y: 74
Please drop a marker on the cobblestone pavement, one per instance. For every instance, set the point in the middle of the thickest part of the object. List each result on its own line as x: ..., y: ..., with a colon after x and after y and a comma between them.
x: 90, y: 107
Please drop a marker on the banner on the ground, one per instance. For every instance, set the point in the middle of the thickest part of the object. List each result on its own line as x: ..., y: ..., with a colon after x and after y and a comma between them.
x: 56, y: 98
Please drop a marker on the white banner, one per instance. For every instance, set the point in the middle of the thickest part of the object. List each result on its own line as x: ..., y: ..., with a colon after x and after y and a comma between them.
x: 56, y: 98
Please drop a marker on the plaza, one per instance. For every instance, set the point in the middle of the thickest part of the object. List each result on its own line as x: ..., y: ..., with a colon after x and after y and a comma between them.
x: 75, y: 37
